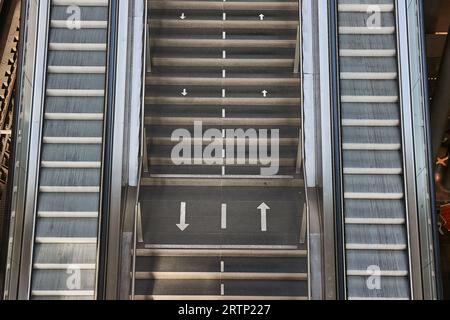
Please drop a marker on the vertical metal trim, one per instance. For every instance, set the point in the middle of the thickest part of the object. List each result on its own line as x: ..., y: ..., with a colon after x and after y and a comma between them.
x: 337, y: 150
x: 34, y: 150
x: 300, y: 167
x: 407, y: 150
x: 108, y: 134
x: 329, y: 230
x: 133, y: 270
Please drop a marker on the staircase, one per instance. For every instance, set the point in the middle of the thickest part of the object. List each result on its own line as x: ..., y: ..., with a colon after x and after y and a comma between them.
x: 217, y: 225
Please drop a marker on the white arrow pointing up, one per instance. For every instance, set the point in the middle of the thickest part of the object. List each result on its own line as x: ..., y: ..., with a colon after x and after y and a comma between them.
x: 182, y: 225
x: 264, y: 92
x: 261, y: 17
x: 184, y: 92
x: 263, y: 207
x: 182, y: 16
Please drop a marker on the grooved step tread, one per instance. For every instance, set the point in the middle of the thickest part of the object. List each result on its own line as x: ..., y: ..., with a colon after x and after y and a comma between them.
x: 222, y: 5
x: 200, y: 101
x: 228, y: 43
x: 219, y: 24
x: 219, y: 252
x: 206, y: 81
x: 218, y: 182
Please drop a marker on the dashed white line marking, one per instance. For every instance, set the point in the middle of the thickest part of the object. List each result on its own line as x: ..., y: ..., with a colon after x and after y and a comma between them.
x: 224, y: 16
x: 223, y: 113
x: 224, y: 54
x: 223, y: 219
x: 222, y: 266
x: 223, y: 93
x: 224, y: 73
x: 224, y: 35
x: 222, y: 289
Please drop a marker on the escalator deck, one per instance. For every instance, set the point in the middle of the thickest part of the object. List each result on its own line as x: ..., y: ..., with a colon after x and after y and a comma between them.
x: 65, y: 247
x: 376, y: 241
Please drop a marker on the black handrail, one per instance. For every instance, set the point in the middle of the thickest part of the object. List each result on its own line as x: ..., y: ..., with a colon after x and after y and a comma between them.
x: 108, y: 134
x: 427, y: 121
x: 337, y: 144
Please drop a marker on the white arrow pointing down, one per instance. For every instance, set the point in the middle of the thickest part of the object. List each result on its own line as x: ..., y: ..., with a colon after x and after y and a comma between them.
x: 263, y: 207
x: 182, y: 225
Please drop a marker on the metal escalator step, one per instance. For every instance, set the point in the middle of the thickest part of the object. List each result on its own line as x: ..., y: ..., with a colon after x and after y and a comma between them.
x: 63, y: 293
x: 373, y: 195
x: 63, y: 24
x: 371, y: 146
x: 373, y: 171
x: 369, y: 99
x: 364, y: 7
x: 74, y: 93
x: 83, y: 3
x: 370, y: 123
x: 368, y: 75
x: 69, y: 189
x: 76, y: 70
x: 65, y: 240
x: 72, y: 140
x: 367, y: 52
x: 77, y: 46
x: 380, y: 221
x: 375, y: 246
x: 67, y: 214
x: 71, y: 164
x: 382, y: 273
x: 64, y: 266
x: 366, y: 30
x: 74, y: 116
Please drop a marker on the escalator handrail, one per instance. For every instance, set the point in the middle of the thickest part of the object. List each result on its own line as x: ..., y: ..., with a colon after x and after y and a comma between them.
x: 141, y: 151
x: 337, y: 154
x: 108, y: 135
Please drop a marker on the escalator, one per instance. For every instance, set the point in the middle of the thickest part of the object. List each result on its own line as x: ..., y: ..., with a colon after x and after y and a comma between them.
x: 65, y: 248
x: 222, y: 224
x: 375, y: 224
